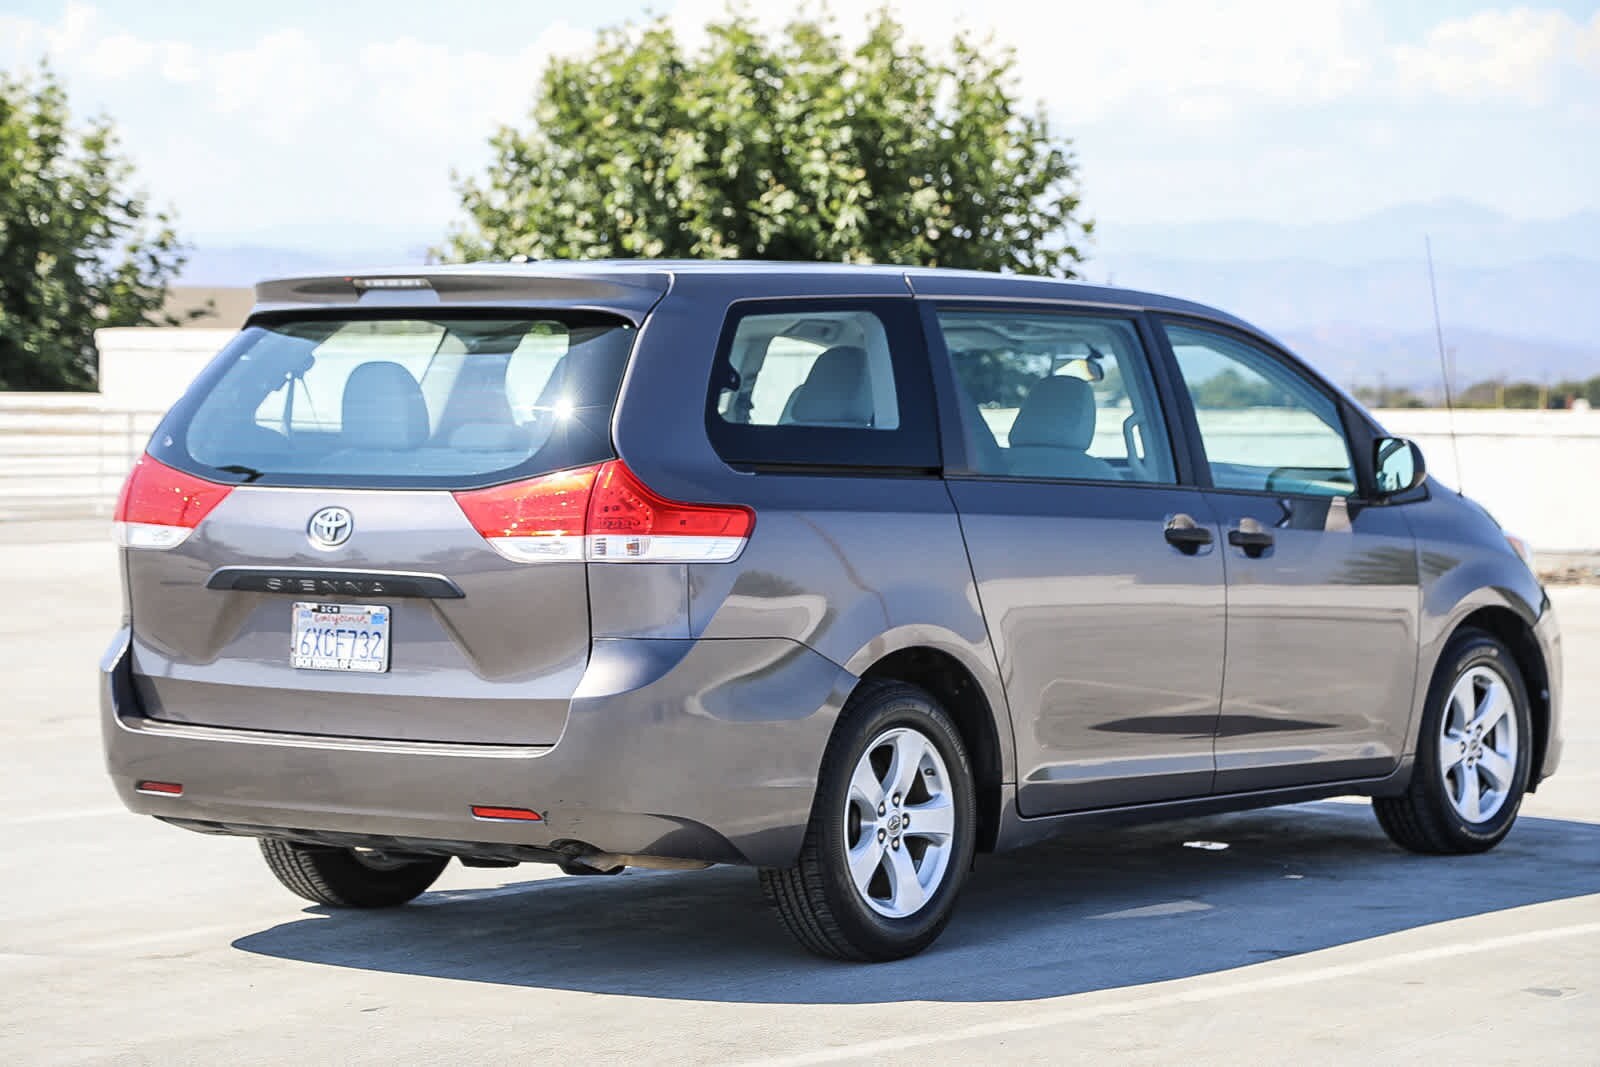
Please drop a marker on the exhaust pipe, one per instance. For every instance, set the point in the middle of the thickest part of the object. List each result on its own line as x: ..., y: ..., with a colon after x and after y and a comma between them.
x: 586, y: 859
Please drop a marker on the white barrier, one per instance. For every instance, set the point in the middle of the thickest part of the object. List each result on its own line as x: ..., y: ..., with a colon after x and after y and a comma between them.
x: 1534, y: 470
x: 65, y: 455
x: 146, y: 369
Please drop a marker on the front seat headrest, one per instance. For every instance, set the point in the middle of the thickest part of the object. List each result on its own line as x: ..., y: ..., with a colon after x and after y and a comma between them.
x: 383, y: 409
x: 1058, y: 412
x: 836, y: 391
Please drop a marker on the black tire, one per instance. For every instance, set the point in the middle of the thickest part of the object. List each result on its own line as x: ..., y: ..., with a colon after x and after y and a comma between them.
x: 339, y: 878
x: 1423, y: 818
x: 817, y: 899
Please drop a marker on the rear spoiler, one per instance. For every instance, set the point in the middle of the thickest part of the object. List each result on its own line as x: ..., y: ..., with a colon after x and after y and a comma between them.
x: 628, y: 293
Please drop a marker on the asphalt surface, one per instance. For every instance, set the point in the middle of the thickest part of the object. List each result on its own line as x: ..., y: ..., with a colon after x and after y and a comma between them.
x: 1308, y: 938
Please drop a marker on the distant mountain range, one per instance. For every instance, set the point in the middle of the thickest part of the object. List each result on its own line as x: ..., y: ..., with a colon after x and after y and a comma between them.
x: 1533, y: 320
x: 1519, y: 299
x: 1360, y: 356
x: 1463, y: 234
x: 219, y: 264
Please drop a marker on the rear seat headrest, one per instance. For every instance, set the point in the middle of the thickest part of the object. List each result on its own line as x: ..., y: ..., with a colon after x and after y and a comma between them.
x: 383, y: 409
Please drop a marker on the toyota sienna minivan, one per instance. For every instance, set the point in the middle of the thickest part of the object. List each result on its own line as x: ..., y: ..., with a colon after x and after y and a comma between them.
x: 846, y: 574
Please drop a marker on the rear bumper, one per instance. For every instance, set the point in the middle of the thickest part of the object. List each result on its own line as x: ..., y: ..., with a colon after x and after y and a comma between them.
x: 697, y: 750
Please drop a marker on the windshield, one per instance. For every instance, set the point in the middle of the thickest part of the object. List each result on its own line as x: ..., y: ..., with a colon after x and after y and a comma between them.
x: 421, y: 401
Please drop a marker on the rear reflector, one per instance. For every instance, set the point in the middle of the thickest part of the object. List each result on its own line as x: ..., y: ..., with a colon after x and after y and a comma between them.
x: 603, y: 514
x: 166, y: 789
x: 520, y: 814
x: 159, y: 507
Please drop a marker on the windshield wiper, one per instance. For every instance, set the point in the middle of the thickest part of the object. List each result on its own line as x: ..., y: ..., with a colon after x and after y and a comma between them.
x: 249, y: 474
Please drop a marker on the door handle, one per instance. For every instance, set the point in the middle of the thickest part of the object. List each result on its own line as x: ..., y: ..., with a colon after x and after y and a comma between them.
x: 1186, y: 535
x: 1250, y: 536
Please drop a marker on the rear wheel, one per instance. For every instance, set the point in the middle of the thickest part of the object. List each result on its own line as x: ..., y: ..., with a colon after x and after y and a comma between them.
x: 1473, y: 754
x: 350, y: 878
x: 891, y: 834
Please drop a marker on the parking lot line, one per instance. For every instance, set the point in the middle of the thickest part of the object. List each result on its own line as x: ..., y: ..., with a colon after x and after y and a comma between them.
x: 61, y: 816
x: 1042, y: 1020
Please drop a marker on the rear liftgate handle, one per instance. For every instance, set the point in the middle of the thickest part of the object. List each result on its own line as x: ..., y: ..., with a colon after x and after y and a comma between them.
x: 1186, y: 535
x: 1251, y: 536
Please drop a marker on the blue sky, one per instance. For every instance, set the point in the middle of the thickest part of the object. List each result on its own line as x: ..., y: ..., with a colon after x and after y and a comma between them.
x: 329, y: 123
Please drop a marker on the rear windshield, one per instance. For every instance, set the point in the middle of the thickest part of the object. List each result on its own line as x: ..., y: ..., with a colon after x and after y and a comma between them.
x: 425, y: 402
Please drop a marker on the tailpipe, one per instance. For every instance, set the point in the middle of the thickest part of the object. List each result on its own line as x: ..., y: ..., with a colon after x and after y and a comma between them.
x: 581, y: 858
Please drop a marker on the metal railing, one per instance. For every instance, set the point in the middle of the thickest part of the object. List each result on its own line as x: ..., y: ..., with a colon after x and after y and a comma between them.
x: 67, y: 462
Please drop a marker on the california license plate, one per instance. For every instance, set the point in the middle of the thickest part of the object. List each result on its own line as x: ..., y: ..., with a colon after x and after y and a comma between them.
x: 340, y: 637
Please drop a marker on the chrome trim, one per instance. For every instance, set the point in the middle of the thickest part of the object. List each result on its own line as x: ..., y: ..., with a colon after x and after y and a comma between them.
x: 232, y: 735
x: 403, y: 584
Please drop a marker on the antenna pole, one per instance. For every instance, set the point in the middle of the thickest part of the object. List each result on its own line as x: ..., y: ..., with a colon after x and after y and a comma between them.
x: 1444, y: 364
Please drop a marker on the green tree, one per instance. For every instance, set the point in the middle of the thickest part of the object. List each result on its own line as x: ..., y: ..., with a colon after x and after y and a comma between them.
x: 1230, y: 389
x: 1490, y: 394
x: 1522, y: 395
x: 1565, y: 392
x: 1388, y: 396
x: 78, y: 250
x: 784, y: 146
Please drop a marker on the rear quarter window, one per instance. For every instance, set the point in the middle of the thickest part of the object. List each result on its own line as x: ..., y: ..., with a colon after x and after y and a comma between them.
x: 812, y: 383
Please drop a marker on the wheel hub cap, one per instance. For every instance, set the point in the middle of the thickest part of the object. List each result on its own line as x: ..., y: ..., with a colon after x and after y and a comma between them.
x: 1478, y: 744
x: 899, y: 823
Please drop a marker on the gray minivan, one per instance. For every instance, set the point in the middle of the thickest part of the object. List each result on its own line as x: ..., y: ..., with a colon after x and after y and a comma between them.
x: 843, y: 573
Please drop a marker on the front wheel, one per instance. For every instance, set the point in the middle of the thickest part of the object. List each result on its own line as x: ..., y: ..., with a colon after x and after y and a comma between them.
x: 891, y: 834
x: 1473, y: 754
x: 350, y: 878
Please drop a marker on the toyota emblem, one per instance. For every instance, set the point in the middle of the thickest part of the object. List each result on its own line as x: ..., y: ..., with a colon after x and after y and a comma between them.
x: 330, y: 527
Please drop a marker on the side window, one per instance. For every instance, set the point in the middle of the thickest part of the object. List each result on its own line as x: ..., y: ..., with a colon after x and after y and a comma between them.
x: 824, y: 384
x: 1264, y: 426
x: 1058, y: 396
x: 812, y: 368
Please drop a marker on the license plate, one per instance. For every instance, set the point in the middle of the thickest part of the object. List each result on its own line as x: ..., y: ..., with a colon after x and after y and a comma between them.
x: 340, y: 637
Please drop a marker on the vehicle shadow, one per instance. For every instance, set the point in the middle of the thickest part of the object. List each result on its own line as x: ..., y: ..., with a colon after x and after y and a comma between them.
x: 1094, y: 912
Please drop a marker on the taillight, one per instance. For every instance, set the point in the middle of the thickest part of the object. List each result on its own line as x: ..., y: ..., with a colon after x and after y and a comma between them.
x: 537, y: 520
x: 603, y: 514
x: 629, y: 521
x: 159, y: 507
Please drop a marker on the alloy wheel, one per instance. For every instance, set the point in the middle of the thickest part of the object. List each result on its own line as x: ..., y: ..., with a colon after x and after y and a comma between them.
x: 1478, y: 744
x: 899, y: 823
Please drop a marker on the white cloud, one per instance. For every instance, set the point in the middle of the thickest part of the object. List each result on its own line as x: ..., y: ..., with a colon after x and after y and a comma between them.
x: 1090, y: 59
x: 290, y: 75
x: 301, y: 126
x: 1255, y: 106
x: 1187, y: 61
x: 1519, y: 54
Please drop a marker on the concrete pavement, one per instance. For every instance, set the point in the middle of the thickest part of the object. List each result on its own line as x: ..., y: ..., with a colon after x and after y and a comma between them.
x: 1308, y: 937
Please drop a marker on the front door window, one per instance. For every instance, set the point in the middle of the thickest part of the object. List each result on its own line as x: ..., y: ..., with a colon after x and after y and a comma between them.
x: 1264, y: 427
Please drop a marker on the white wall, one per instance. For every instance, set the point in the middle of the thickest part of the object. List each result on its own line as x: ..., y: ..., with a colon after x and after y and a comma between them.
x: 65, y: 455
x: 145, y: 368
x: 1536, y: 471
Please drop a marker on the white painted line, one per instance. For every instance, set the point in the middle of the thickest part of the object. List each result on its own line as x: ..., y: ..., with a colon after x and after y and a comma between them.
x: 62, y: 816
x: 1155, y: 911
x: 894, y: 1047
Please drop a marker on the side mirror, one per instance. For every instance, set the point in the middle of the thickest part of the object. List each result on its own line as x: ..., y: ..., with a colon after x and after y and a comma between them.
x: 1397, y: 465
